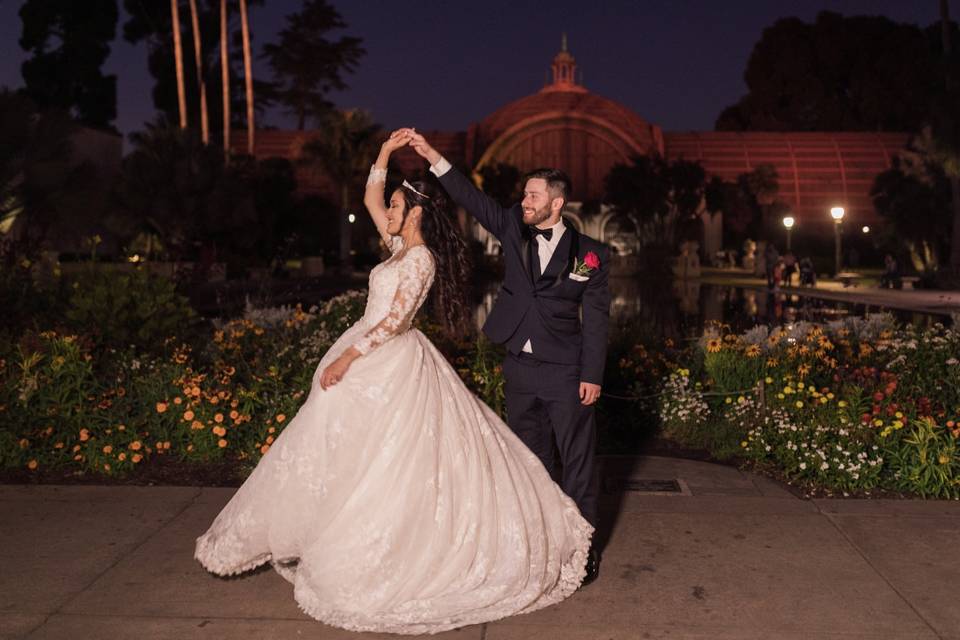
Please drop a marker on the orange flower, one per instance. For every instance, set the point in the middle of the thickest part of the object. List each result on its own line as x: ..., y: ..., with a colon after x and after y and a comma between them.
x: 84, y: 435
x: 161, y: 407
x: 281, y: 418
x: 76, y: 448
x: 106, y: 468
x: 234, y: 414
x: 264, y: 449
x: 32, y: 465
x: 121, y: 427
x: 108, y: 449
x: 219, y: 431
x: 177, y: 400
x: 59, y: 445
x: 78, y: 457
x: 221, y: 443
x: 166, y: 445
x: 272, y: 430
x: 121, y: 456
x: 218, y: 418
x: 269, y: 439
x: 214, y: 399
x: 188, y: 415
x: 24, y: 443
x: 136, y: 458
x: 135, y: 445
x: 196, y: 425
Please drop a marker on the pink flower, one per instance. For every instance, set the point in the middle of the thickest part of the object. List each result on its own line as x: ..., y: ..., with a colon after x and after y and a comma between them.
x: 591, y: 260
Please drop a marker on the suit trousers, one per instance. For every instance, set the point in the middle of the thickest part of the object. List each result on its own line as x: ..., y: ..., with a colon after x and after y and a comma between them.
x: 544, y: 410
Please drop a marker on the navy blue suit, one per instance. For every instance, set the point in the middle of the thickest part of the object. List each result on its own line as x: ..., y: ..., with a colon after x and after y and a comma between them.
x: 542, y: 388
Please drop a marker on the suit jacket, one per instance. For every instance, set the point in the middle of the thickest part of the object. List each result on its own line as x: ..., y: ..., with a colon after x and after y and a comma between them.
x: 546, y: 309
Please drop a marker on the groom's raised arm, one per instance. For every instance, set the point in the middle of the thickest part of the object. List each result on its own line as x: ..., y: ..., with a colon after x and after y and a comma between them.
x: 485, y: 209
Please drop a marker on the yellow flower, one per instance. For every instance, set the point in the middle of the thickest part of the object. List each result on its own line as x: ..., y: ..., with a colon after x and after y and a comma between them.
x: 842, y: 403
x: 728, y: 400
x: 803, y: 370
x: 781, y: 396
x: 221, y: 443
x: 878, y: 422
x: 788, y: 390
x: 753, y: 351
x: 771, y: 362
x: 161, y: 407
x: 800, y: 385
x: 743, y: 444
x: 714, y: 345
x: 942, y: 459
x: 799, y: 404
x: 768, y: 380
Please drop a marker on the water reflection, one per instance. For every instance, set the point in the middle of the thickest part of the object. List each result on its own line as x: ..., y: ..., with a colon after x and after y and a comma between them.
x: 682, y: 308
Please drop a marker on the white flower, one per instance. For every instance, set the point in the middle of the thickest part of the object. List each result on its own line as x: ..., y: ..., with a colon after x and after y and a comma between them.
x: 803, y: 465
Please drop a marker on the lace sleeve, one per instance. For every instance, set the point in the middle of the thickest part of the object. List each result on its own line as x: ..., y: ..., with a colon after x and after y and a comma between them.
x: 416, y: 270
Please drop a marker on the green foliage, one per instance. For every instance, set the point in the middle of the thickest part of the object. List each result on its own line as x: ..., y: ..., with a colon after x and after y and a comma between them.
x: 854, y: 405
x: 127, y: 308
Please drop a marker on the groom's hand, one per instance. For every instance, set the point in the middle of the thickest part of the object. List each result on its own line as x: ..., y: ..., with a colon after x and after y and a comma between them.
x: 422, y: 147
x: 589, y: 393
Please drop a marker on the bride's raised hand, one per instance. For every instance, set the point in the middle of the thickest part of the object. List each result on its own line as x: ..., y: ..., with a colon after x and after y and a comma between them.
x: 423, y: 148
x: 397, y: 139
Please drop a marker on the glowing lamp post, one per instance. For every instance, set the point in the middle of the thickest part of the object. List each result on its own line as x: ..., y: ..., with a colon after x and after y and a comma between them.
x: 837, y: 214
x: 788, y: 222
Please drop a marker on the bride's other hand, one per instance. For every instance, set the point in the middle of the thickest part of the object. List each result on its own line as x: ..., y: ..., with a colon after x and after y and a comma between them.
x: 335, y: 371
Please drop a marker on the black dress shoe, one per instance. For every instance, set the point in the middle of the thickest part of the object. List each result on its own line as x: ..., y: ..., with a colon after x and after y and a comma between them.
x: 593, y: 567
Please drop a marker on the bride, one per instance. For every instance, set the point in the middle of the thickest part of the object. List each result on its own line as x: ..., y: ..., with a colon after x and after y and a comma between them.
x: 395, y: 500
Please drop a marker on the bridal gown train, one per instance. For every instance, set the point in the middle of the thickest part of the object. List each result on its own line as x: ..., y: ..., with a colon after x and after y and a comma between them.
x: 396, y: 500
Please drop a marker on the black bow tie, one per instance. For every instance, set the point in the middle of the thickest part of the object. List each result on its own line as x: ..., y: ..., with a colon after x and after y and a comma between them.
x: 546, y: 233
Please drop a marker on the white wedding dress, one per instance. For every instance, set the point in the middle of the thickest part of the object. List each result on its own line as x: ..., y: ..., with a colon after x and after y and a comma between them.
x: 396, y: 500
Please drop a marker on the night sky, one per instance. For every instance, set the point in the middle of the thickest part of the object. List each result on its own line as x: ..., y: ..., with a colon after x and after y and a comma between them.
x: 442, y: 65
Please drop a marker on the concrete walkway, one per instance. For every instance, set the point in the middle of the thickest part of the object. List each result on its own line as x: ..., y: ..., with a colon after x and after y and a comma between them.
x: 729, y: 556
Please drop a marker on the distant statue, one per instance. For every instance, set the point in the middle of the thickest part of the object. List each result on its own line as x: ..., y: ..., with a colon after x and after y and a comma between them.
x: 749, y: 254
x: 687, y: 264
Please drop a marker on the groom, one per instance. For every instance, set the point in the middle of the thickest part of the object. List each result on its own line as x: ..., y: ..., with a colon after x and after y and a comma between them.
x: 554, y: 365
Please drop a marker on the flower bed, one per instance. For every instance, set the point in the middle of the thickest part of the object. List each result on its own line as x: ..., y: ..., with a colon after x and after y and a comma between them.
x: 853, y: 405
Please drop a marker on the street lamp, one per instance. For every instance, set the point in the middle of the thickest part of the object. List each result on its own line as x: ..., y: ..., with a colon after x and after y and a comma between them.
x: 788, y: 223
x: 837, y: 214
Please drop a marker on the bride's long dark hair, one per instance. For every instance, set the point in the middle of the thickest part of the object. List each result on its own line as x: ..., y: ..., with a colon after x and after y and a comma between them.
x: 439, y: 230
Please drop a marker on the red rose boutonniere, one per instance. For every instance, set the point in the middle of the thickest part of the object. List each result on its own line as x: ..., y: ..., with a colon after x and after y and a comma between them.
x: 591, y: 262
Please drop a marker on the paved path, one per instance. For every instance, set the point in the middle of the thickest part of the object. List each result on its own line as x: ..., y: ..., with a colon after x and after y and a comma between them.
x: 731, y: 556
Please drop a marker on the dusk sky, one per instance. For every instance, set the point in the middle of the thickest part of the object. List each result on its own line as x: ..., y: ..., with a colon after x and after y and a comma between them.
x: 442, y: 65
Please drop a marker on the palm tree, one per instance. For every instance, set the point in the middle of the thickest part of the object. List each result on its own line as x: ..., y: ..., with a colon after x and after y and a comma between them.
x: 225, y: 76
x: 198, y: 57
x: 248, y: 75
x: 178, y: 57
x: 345, y: 154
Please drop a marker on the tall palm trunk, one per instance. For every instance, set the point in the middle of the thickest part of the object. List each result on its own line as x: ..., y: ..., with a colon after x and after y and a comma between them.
x: 248, y: 75
x: 198, y: 57
x: 225, y: 75
x: 952, y: 142
x: 178, y: 58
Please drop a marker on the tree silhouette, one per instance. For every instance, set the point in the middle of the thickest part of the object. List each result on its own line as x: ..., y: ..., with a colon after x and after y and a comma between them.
x: 307, y: 65
x: 69, y: 42
x: 839, y: 74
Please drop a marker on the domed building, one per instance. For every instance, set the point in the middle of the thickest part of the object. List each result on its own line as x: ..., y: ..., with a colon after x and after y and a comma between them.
x: 566, y: 126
